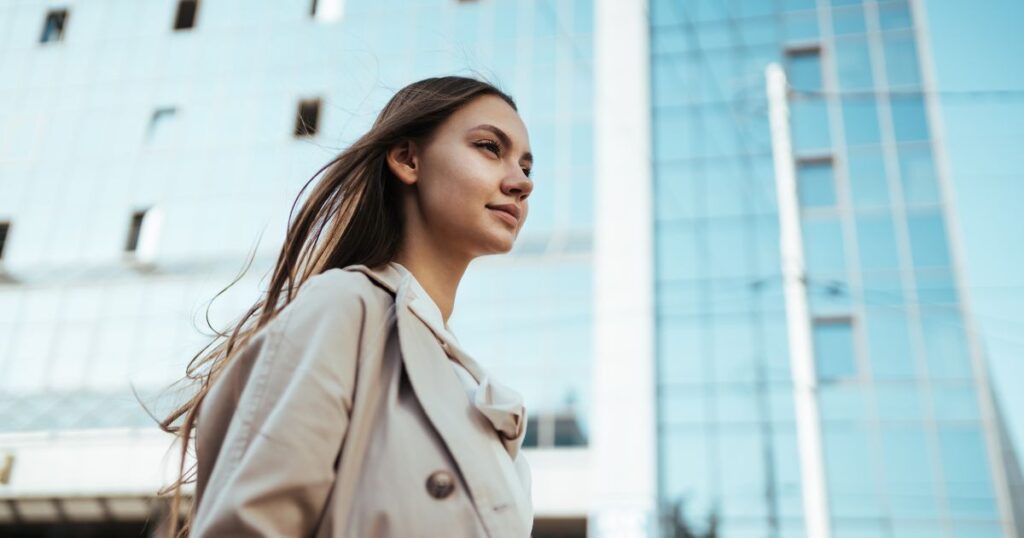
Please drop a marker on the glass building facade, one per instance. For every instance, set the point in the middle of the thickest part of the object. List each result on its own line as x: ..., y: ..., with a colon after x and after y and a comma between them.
x: 907, y: 443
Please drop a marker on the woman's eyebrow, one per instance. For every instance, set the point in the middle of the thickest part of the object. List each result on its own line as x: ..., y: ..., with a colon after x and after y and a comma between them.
x: 503, y: 137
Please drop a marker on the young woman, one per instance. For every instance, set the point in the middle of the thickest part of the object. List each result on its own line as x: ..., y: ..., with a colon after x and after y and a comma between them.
x: 341, y: 404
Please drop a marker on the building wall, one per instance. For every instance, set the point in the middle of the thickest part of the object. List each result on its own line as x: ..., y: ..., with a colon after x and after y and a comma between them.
x: 123, y: 113
x: 907, y: 438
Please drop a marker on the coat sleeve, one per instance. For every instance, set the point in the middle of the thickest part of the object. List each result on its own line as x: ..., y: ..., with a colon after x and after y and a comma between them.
x: 275, y: 464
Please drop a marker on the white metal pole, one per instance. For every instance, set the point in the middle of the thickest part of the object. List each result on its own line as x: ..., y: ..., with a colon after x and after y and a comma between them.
x: 801, y: 349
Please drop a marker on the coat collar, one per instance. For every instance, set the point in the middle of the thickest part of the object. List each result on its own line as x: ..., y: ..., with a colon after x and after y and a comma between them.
x: 501, y: 405
x: 441, y: 394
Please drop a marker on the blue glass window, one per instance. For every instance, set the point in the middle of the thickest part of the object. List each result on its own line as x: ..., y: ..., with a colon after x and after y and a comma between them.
x: 803, y: 70
x: 682, y: 350
x: 842, y: 402
x: 898, y: 402
x: 928, y: 244
x: 733, y: 358
x: 860, y: 121
x: 966, y: 470
x: 901, y: 61
x: 910, y: 484
x: 945, y: 344
x: 677, y: 253
x: 959, y: 402
x: 666, y: 40
x: 809, y: 122
x: 909, y: 119
x: 725, y: 254
x: 741, y: 473
x: 848, y: 20
x: 823, y: 247
x: 894, y: 15
x: 882, y: 288
x: 796, y: 5
x: 868, y: 184
x: 675, y: 185
x: 673, y: 135
x: 725, y: 189
x: 936, y: 286
x: 669, y: 75
x: 888, y: 334
x: 687, y: 469
x: 853, y: 61
x: 917, y: 175
x: 876, y: 239
x: 833, y: 349
x: 852, y: 490
x: 816, y: 184
x: 801, y: 26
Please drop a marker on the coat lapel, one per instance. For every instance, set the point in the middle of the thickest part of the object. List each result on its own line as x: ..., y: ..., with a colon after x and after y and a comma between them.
x: 467, y: 434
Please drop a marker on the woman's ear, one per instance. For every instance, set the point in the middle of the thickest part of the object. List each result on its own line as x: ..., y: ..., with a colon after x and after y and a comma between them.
x: 404, y: 162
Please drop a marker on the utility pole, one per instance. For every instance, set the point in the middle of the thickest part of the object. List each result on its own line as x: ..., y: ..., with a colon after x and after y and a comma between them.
x: 801, y: 349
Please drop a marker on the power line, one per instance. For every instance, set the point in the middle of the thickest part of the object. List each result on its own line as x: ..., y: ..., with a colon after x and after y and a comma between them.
x: 979, y: 94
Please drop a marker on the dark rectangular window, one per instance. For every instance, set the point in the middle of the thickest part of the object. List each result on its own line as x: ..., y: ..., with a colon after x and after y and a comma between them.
x: 133, y: 231
x: 803, y: 68
x: 309, y: 113
x: 312, y: 8
x: 4, y: 228
x: 53, y: 28
x: 158, y: 122
x: 568, y: 432
x: 186, y: 16
x: 816, y: 182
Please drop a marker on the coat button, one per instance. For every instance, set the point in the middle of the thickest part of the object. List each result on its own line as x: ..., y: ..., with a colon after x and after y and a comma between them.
x: 440, y: 484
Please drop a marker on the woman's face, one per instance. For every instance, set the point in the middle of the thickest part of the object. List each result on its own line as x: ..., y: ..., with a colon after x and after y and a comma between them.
x: 468, y: 178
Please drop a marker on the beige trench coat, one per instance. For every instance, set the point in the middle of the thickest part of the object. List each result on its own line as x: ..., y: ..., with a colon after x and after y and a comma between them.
x: 344, y: 417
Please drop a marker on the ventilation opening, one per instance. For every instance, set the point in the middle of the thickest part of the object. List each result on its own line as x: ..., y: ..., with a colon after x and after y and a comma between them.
x: 4, y: 227
x: 186, y: 17
x: 134, y: 229
x: 326, y: 10
x: 159, y: 123
x: 53, y: 28
x: 309, y: 114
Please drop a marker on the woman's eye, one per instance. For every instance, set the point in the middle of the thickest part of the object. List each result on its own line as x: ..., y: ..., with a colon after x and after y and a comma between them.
x: 490, y: 146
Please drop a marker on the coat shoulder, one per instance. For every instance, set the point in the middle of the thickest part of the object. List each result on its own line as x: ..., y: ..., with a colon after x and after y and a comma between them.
x: 337, y: 290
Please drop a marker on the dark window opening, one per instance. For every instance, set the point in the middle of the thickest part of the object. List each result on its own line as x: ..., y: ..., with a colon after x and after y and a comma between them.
x: 186, y: 17
x: 815, y: 181
x: 159, y: 120
x: 4, y: 227
x: 312, y: 8
x: 133, y: 231
x: 803, y: 68
x: 554, y: 429
x: 309, y: 113
x: 53, y: 28
x: 568, y: 432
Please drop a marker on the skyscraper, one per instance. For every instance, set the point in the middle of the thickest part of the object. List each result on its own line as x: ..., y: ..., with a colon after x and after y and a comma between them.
x: 905, y: 424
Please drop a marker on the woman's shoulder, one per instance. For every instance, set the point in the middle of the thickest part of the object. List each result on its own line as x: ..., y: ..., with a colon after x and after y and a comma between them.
x: 336, y: 293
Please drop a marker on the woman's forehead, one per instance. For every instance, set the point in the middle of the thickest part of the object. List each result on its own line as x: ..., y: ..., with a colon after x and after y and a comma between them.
x: 491, y: 113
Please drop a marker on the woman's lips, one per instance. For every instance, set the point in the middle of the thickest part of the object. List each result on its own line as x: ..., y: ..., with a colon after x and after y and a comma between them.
x: 505, y: 216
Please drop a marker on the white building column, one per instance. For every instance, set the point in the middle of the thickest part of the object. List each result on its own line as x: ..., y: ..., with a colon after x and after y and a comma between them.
x: 623, y: 434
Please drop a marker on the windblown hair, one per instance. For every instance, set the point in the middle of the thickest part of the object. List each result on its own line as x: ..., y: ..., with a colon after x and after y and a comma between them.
x: 357, y: 203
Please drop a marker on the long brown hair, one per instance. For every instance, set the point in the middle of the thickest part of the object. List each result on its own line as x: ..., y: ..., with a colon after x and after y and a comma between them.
x: 357, y: 203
